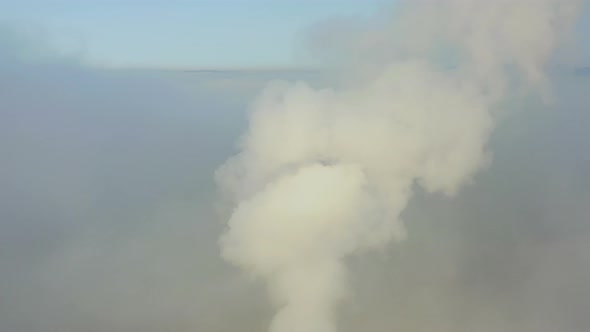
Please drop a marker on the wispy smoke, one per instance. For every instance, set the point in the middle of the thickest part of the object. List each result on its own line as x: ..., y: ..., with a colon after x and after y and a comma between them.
x: 323, y: 174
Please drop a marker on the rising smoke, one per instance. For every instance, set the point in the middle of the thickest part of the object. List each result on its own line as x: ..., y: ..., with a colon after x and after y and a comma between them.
x: 323, y: 174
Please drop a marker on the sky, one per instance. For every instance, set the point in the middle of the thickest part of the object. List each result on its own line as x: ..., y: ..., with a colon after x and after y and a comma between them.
x: 178, y: 33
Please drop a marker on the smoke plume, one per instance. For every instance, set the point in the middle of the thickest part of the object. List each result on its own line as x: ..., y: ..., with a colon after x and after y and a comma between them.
x: 326, y: 173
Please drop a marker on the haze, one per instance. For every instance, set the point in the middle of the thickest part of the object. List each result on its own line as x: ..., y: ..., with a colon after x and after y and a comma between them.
x: 111, y: 216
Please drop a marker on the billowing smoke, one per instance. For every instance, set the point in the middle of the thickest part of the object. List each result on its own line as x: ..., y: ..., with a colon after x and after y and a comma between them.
x: 326, y: 173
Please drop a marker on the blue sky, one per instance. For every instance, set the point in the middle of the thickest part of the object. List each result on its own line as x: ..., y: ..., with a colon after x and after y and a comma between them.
x: 187, y: 33
x: 178, y: 33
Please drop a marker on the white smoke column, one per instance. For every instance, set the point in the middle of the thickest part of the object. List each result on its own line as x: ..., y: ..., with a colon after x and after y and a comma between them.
x: 326, y: 173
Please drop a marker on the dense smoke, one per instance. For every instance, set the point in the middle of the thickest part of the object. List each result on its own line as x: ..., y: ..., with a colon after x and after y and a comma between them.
x: 326, y: 173
x: 106, y: 221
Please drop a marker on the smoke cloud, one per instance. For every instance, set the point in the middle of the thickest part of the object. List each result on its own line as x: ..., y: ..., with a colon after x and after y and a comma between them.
x: 107, y: 221
x: 324, y: 174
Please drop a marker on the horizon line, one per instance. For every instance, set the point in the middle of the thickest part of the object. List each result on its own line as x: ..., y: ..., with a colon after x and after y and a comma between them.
x: 216, y: 68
